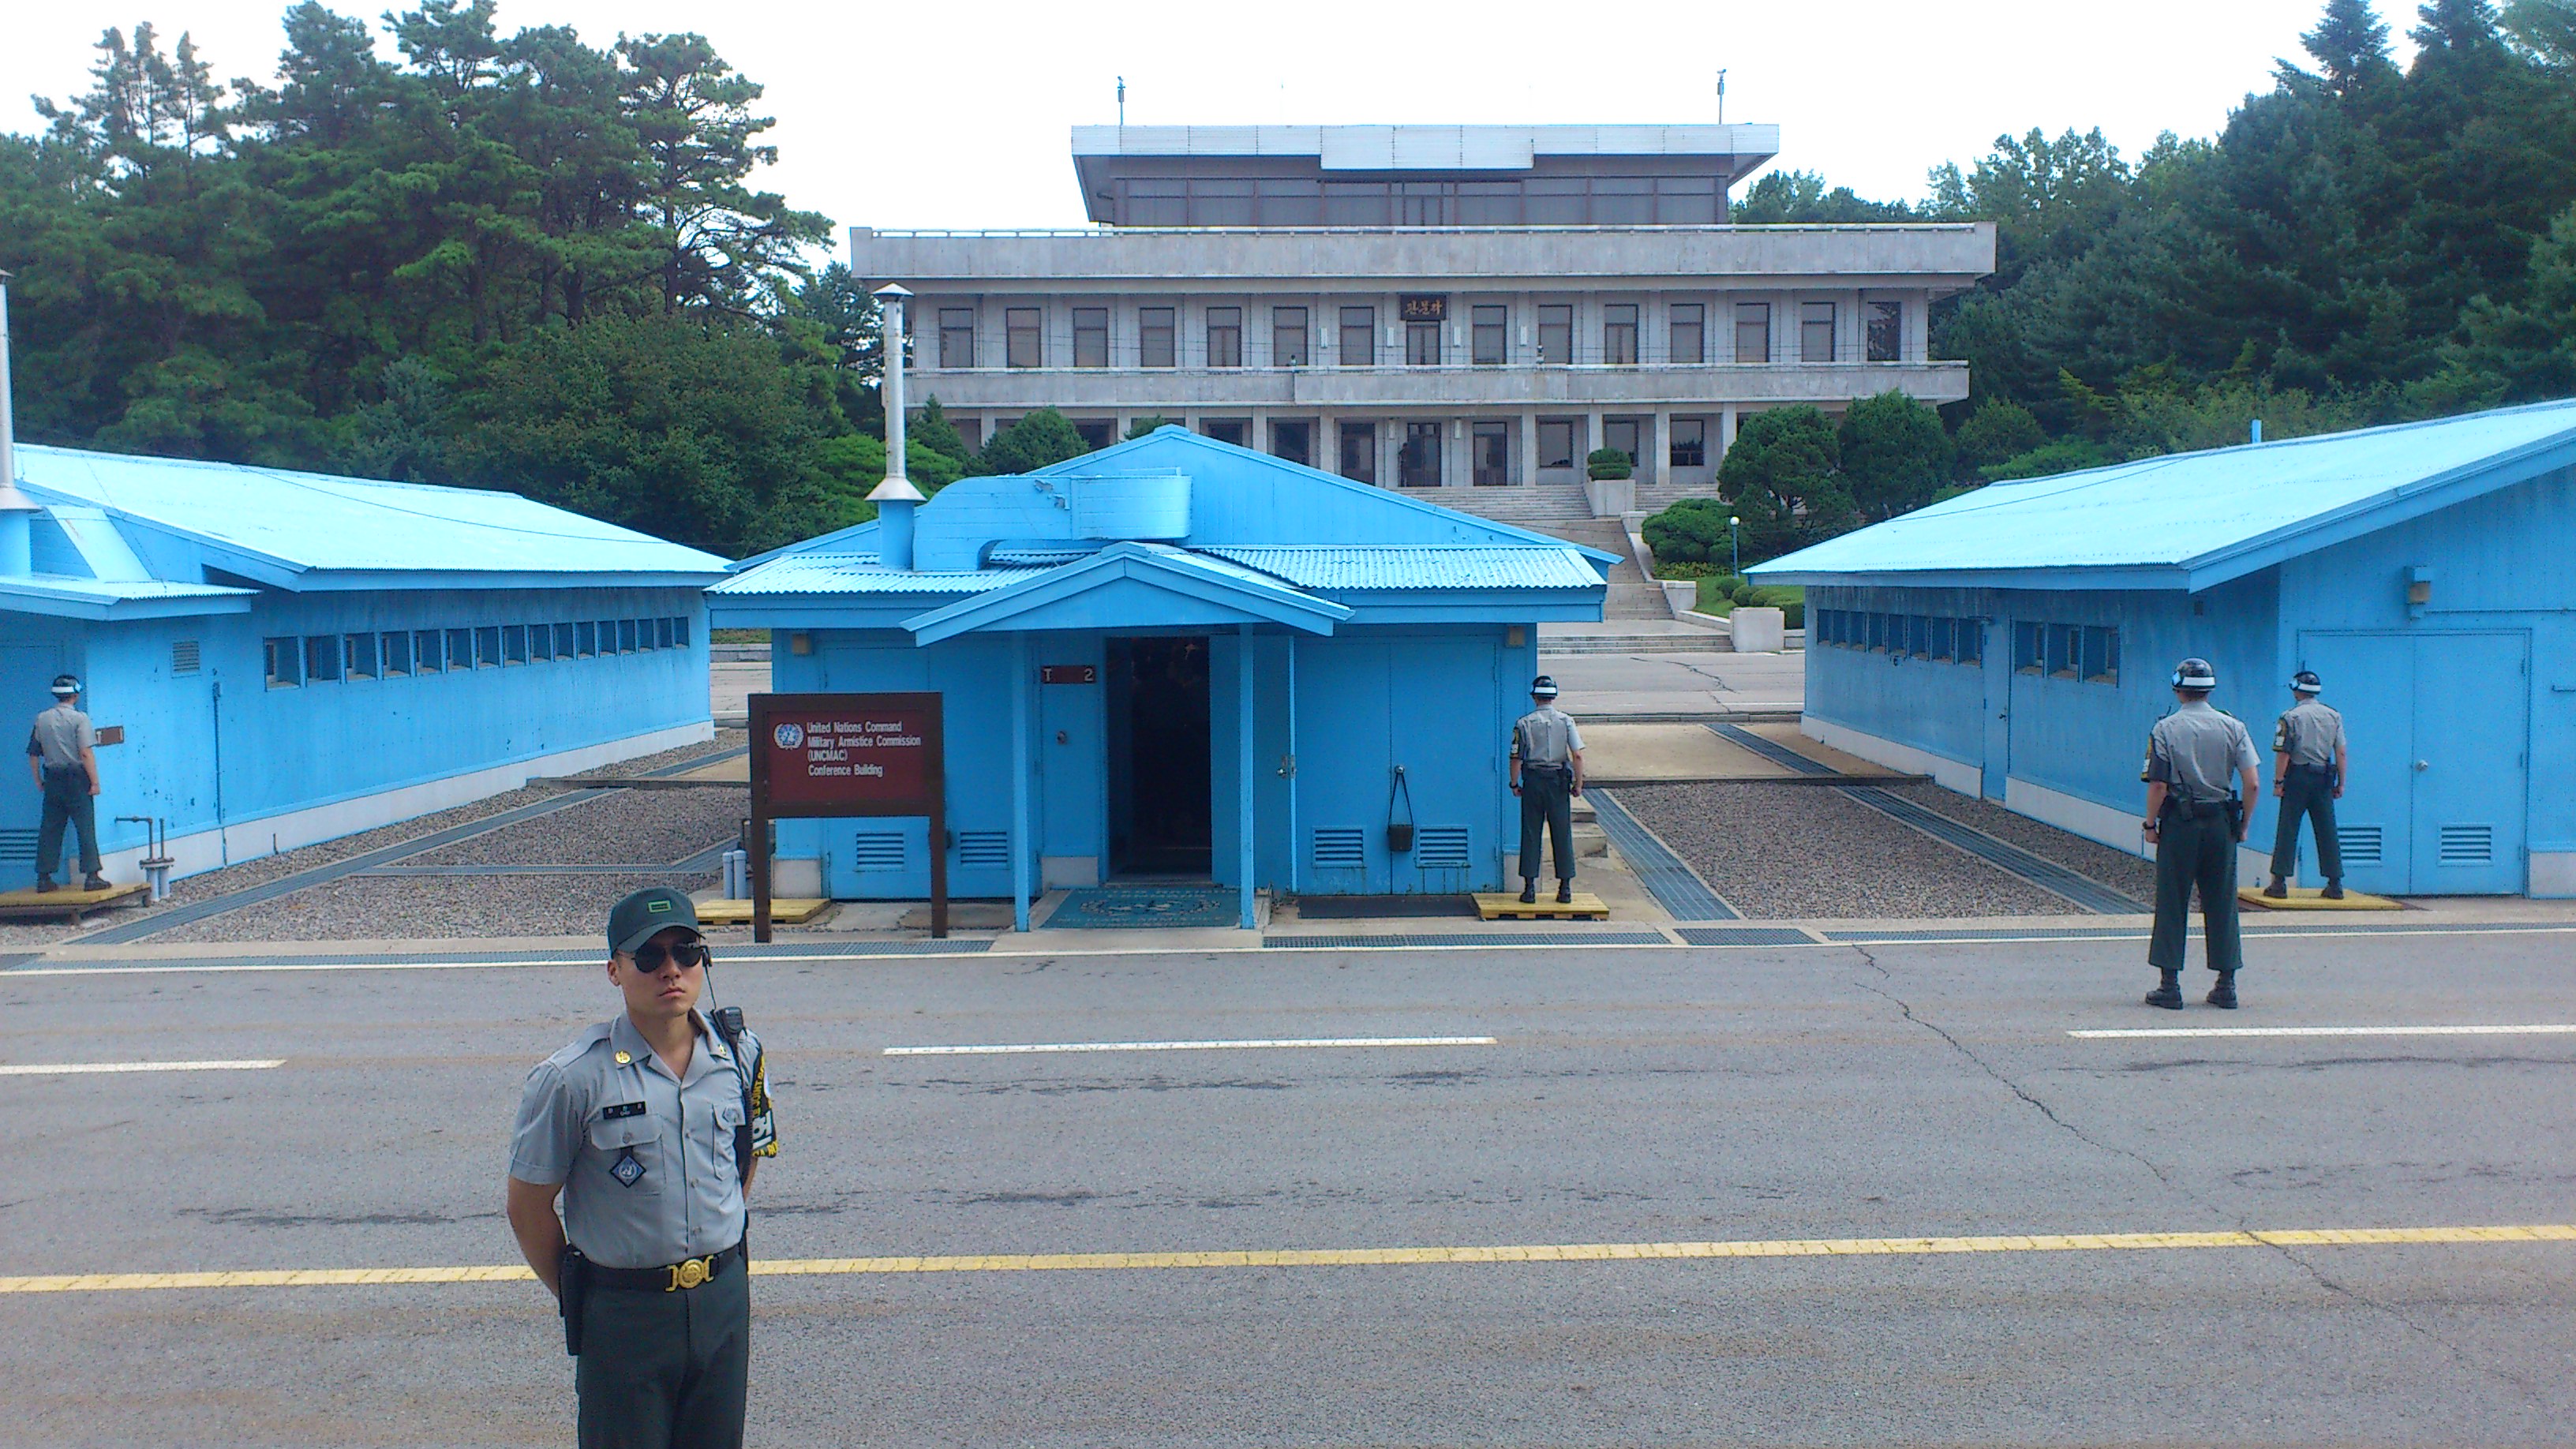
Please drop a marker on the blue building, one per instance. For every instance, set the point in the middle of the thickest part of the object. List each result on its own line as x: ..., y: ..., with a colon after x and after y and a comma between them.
x: 2015, y: 642
x: 289, y: 657
x: 1175, y: 657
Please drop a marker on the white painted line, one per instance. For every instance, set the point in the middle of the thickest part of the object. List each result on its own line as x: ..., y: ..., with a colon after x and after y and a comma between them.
x: 2547, y: 1029
x: 71, y: 1068
x: 1031, y: 1048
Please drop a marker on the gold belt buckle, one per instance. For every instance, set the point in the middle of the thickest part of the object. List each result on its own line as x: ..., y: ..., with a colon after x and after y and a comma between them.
x: 690, y: 1274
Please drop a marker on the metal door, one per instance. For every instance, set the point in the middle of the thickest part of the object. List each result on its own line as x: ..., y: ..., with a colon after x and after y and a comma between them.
x: 1999, y: 679
x: 2436, y: 725
x: 26, y: 670
x: 2371, y: 678
x: 1342, y: 767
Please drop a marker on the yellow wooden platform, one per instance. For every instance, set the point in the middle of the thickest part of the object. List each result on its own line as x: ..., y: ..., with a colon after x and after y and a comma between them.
x: 783, y: 911
x: 1507, y: 906
x: 2306, y: 898
x: 30, y: 904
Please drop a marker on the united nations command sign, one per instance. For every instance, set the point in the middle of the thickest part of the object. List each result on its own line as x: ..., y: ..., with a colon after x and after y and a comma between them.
x: 830, y: 755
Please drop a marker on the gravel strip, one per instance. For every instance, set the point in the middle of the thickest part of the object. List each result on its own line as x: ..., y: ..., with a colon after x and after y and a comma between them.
x: 35, y: 935
x: 2129, y: 874
x: 622, y: 827
x: 427, y: 908
x: 1781, y: 852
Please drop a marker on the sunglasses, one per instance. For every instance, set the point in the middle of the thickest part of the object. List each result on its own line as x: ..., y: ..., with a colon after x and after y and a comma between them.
x: 650, y: 956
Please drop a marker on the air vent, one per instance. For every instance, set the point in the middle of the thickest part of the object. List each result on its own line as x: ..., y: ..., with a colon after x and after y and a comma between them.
x: 984, y: 847
x: 2362, y: 845
x: 183, y: 656
x: 2468, y: 845
x: 1442, y: 847
x: 1339, y: 849
x: 877, y: 850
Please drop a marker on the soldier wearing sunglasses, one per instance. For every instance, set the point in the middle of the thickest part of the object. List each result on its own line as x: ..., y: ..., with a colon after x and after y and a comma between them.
x: 647, y: 1127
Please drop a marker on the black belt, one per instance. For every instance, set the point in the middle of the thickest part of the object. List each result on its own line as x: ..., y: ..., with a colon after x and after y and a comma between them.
x: 1527, y: 766
x: 671, y: 1277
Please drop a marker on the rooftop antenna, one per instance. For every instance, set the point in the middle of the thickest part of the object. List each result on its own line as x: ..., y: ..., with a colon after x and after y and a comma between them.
x: 1122, y: 103
x: 1721, y: 96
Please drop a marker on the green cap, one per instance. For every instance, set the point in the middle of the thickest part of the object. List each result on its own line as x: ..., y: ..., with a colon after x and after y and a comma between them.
x: 638, y: 918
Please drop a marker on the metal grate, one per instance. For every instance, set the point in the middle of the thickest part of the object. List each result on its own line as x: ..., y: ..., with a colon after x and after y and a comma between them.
x: 2364, y: 845
x: 1441, y: 847
x: 183, y: 656
x: 2468, y: 845
x: 1464, y: 939
x: 1339, y: 848
x: 1772, y: 750
x: 1745, y: 936
x: 984, y: 847
x: 2046, y: 874
x: 877, y: 850
x: 1666, y: 876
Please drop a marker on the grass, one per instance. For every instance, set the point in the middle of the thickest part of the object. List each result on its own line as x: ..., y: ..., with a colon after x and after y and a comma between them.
x: 1711, y: 604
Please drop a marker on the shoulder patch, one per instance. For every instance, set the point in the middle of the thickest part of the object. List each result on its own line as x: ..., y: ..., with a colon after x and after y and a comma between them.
x: 579, y: 1046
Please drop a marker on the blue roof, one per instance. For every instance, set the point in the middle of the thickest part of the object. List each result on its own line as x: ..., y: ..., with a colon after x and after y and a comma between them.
x: 1345, y: 566
x: 2191, y: 520
x: 296, y: 530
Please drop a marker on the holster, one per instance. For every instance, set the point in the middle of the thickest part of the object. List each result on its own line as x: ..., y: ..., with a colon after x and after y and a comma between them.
x: 572, y: 1276
x: 2236, y: 817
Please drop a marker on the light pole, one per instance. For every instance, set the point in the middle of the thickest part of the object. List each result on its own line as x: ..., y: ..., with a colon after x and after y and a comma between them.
x: 1734, y: 546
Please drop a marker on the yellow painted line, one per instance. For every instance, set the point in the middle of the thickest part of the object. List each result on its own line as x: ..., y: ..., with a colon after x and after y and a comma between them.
x: 1357, y: 1257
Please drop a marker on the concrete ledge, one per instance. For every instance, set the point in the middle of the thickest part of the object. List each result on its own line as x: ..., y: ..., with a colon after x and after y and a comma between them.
x: 1948, y: 773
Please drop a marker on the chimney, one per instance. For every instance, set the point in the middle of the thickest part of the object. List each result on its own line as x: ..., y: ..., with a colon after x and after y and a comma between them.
x: 895, y: 498
x: 17, y: 512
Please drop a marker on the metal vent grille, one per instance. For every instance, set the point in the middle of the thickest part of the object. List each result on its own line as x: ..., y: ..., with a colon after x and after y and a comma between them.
x: 1340, y: 849
x: 1441, y: 847
x: 877, y: 850
x: 183, y: 656
x: 2362, y: 844
x: 984, y: 847
x: 2468, y: 845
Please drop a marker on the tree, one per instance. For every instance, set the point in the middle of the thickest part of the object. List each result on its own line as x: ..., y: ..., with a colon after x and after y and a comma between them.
x: 1802, y: 197
x: 720, y: 240
x: 1895, y: 454
x: 1145, y: 425
x: 2350, y: 47
x: 932, y: 430
x: 1781, y: 476
x: 1036, y: 440
x: 1994, y: 431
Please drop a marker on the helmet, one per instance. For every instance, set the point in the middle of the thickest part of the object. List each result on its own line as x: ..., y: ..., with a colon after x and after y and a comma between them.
x: 2306, y: 682
x: 2195, y: 673
x: 1544, y: 687
x: 65, y: 686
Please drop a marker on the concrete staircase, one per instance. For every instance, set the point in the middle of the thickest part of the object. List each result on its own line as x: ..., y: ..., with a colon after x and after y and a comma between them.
x: 1654, y: 498
x: 1561, y: 511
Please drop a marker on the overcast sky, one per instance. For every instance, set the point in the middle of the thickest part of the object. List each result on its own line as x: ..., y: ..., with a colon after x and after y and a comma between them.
x: 955, y: 115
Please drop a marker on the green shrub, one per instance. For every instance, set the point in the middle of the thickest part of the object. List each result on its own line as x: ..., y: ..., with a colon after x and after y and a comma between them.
x: 1692, y: 531
x: 1608, y: 463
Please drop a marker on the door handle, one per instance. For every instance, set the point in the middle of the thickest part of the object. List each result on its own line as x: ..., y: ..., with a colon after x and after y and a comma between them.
x: 2423, y: 764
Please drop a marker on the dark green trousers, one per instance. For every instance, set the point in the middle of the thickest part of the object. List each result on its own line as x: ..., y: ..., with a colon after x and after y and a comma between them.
x: 2196, y: 853
x: 666, y: 1370
x: 67, y: 802
x: 1547, y: 800
x: 2307, y: 791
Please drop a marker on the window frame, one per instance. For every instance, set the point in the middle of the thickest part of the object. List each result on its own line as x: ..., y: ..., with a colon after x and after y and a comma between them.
x: 956, y: 339
x: 389, y: 645
x: 1024, y: 324
x: 1357, y: 321
x: 1480, y: 432
x: 432, y: 660
x: 1547, y: 426
x: 1489, y: 322
x: 1422, y: 343
x: 322, y: 659
x: 1231, y: 330
x: 1345, y: 432
x: 1619, y: 334
x: 282, y: 661
x: 514, y: 644
x: 1675, y: 328
x: 1292, y: 344
x: 358, y: 655
x: 1696, y: 447
x: 1811, y: 326
x: 1556, y: 320
x: 1158, y: 343
x: 1091, y: 338
x: 1420, y: 431
x: 585, y: 639
x: 1754, y: 319
x: 1887, y: 345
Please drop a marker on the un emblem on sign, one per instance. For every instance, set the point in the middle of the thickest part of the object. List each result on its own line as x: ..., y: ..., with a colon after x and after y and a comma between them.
x: 789, y: 736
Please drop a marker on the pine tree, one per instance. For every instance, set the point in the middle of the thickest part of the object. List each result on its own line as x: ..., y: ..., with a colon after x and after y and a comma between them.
x: 2350, y: 46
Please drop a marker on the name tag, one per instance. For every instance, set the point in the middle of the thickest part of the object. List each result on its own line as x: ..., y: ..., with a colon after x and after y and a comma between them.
x: 621, y: 1109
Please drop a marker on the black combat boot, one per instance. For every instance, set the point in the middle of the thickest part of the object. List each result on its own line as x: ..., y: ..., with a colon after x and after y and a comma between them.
x: 2333, y: 890
x: 2278, y: 890
x: 44, y: 883
x: 1529, y: 890
x: 1565, y: 893
x: 94, y: 882
x: 2169, y: 994
x: 2223, y: 995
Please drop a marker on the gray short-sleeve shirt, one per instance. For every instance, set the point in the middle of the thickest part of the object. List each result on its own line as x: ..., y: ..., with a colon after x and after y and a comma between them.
x: 646, y: 1160
x: 2309, y: 733
x: 2198, y: 751
x: 61, y: 733
x: 1546, y: 736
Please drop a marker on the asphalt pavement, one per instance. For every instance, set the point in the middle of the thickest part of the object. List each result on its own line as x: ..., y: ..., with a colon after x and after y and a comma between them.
x: 1746, y: 1100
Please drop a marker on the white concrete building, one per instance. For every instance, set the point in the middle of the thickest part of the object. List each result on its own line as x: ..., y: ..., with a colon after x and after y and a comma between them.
x: 1426, y: 306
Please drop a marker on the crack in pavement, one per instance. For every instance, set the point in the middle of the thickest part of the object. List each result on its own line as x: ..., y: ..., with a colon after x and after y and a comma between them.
x: 1718, y: 679
x: 2315, y: 1272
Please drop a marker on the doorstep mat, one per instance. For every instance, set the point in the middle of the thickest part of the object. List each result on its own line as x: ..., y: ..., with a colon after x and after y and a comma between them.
x: 1127, y: 908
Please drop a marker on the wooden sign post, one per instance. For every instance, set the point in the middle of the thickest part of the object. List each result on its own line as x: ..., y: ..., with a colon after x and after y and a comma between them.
x: 840, y: 755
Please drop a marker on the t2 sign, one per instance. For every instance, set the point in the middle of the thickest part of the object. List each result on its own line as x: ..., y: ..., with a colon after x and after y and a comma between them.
x: 840, y: 755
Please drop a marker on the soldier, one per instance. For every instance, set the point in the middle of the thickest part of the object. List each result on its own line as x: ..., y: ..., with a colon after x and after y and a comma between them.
x: 2195, y: 819
x: 648, y: 1127
x: 2308, y: 765
x: 1547, y: 773
x: 62, y: 755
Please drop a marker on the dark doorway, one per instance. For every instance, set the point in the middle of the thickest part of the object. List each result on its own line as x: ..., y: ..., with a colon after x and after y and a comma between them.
x: 1159, y: 785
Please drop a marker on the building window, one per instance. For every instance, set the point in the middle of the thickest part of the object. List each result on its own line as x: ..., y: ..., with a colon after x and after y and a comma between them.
x: 1417, y: 465
x: 1422, y: 344
x: 662, y: 635
x: 1623, y: 200
x: 1690, y: 332
x: 1621, y: 433
x: 1490, y: 343
x: 2101, y: 655
x: 1359, y: 337
x: 585, y: 639
x: 1491, y: 453
x: 1288, y: 341
x: 1024, y: 339
x: 1943, y: 632
x: 514, y: 643
x: 1155, y: 337
x: 1619, y: 334
x: 1287, y: 201
x: 487, y: 647
x: 429, y: 651
x: 1091, y: 337
x: 1555, y: 334
x: 358, y: 656
x: 1886, y: 331
x: 2027, y: 656
x: 322, y: 658
x: 1220, y: 203
x: 1223, y: 430
x: 1815, y: 332
x: 1095, y: 432
x: 1489, y: 203
x: 1686, y: 200
x: 1294, y: 440
x: 1225, y: 337
x: 395, y: 650
x: 1359, y: 452
x: 625, y: 635
x: 1690, y: 443
x: 1355, y: 203
x: 1156, y: 201
x: 1422, y: 203
x: 957, y: 337
x: 282, y: 662
x: 1753, y: 332
x: 1874, y: 637
x: 1556, y: 442
x: 1555, y: 201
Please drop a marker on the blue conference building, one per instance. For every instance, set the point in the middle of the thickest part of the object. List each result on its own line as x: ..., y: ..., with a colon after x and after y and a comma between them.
x: 1176, y: 658
x: 285, y: 657
x: 2015, y: 642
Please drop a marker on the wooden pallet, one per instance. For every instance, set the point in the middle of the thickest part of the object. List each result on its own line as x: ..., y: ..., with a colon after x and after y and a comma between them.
x: 783, y: 911
x: 1508, y: 906
x: 2307, y: 898
x: 30, y: 904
